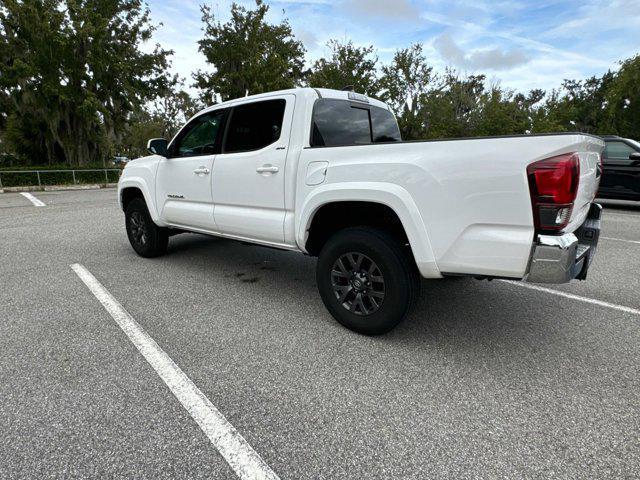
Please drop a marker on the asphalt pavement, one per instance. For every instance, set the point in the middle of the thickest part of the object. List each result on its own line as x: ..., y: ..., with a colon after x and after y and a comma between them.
x: 483, y: 380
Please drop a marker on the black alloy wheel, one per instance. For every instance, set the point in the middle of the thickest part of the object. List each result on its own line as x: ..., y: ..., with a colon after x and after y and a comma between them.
x: 146, y: 238
x: 358, y: 283
x: 367, y: 279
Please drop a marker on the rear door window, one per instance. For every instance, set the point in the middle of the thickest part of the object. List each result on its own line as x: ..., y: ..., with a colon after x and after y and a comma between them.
x: 338, y: 123
x: 342, y: 123
x: 254, y: 126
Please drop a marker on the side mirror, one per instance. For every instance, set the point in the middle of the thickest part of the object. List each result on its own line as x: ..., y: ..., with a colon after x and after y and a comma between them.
x: 635, y: 156
x: 157, y: 146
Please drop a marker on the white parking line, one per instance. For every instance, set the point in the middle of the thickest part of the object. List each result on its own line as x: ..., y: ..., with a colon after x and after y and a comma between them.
x: 232, y: 446
x: 592, y: 301
x: 616, y: 214
x: 621, y: 240
x: 32, y: 199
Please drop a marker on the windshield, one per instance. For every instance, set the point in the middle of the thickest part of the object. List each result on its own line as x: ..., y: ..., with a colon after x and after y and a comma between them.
x: 635, y: 144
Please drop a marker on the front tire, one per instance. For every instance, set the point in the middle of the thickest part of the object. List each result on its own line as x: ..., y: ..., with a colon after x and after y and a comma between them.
x: 367, y: 280
x: 147, y: 239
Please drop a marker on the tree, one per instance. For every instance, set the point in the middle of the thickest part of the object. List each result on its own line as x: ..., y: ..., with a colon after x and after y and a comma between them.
x: 451, y: 106
x: 348, y: 65
x: 579, y: 104
x: 621, y: 110
x: 161, y: 118
x: 248, y: 54
x: 73, y: 71
x: 405, y: 83
x: 173, y: 110
x: 504, y: 112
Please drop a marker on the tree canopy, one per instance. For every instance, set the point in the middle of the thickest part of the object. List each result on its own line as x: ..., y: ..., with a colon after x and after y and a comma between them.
x: 247, y: 54
x: 347, y: 66
x: 71, y: 73
x: 79, y: 82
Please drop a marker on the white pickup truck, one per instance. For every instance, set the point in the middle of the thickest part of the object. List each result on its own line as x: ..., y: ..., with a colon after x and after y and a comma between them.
x: 325, y: 173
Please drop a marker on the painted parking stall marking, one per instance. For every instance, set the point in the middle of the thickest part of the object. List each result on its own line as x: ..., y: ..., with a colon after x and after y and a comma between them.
x: 635, y: 242
x: 571, y: 296
x: 240, y: 456
x: 32, y: 199
x: 617, y: 215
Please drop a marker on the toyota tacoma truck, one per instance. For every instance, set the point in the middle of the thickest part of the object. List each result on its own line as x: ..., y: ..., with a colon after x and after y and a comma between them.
x: 326, y: 173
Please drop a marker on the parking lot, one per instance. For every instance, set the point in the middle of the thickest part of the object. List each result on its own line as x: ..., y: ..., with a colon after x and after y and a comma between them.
x: 484, y: 380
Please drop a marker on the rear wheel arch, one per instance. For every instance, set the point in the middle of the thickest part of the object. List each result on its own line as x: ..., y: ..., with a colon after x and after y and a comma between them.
x: 393, y: 198
x: 335, y: 216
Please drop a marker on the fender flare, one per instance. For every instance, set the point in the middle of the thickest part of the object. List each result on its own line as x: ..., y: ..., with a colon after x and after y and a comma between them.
x: 141, y: 184
x: 390, y: 195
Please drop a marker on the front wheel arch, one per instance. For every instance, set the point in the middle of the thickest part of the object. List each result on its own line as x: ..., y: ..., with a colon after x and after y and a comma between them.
x: 128, y: 194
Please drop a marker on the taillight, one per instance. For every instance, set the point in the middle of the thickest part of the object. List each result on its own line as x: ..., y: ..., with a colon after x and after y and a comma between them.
x: 553, y: 185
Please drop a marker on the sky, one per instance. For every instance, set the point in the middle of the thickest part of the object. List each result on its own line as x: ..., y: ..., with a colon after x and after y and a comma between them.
x: 519, y: 44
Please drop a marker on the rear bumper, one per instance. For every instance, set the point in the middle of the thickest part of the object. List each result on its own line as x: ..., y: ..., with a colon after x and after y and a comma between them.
x: 562, y: 258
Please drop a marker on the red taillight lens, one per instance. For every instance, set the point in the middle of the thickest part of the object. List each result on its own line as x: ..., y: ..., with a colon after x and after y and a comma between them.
x: 553, y: 184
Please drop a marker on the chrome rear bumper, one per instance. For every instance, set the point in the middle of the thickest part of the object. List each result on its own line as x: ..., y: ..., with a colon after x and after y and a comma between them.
x: 562, y: 258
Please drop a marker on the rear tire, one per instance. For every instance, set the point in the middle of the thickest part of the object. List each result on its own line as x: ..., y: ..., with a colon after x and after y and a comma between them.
x: 367, y: 280
x: 147, y: 239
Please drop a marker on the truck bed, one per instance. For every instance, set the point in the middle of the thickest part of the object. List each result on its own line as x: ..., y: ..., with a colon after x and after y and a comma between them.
x: 470, y: 194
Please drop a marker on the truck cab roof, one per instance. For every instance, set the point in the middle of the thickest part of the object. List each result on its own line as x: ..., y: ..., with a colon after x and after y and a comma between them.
x: 306, y: 92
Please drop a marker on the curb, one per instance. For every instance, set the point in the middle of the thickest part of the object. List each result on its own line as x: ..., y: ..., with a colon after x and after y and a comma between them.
x: 58, y: 188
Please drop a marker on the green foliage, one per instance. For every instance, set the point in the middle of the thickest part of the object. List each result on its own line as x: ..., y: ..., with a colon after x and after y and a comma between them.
x: 452, y: 106
x: 27, y: 176
x: 71, y: 72
x: 622, y: 109
x: 161, y: 118
x: 348, y: 65
x: 448, y: 105
x: 578, y: 105
x: 76, y: 88
x: 61, y: 177
x: 404, y: 85
x: 248, y: 54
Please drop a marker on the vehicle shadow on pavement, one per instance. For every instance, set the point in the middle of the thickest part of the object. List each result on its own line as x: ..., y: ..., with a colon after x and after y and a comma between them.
x: 462, y: 311
x: 474, y: 313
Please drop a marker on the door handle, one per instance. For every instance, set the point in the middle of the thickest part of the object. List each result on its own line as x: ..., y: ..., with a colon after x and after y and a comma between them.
x: 202, y: 171
x: 268, y: 168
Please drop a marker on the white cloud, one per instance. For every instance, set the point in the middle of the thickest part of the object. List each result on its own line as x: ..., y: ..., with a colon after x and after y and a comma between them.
x: 479, y: 59
x: 307, y: 37
x: 390, y: 9
x: 598, y: 16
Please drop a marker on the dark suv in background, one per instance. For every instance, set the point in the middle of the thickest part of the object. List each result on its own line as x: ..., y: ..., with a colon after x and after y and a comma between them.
x: 621, y: 169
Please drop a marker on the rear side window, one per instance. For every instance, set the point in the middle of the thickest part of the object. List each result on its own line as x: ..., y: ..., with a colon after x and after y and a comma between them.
x: 254, y: 126
x: 342, y: 123
x: 384, y: 125
x: 617, y: 150
x: 337, y: 122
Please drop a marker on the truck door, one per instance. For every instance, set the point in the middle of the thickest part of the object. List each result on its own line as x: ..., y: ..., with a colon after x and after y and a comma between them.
x: 183, y: 181
x: 620, y: 172
x: 248, y: 175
